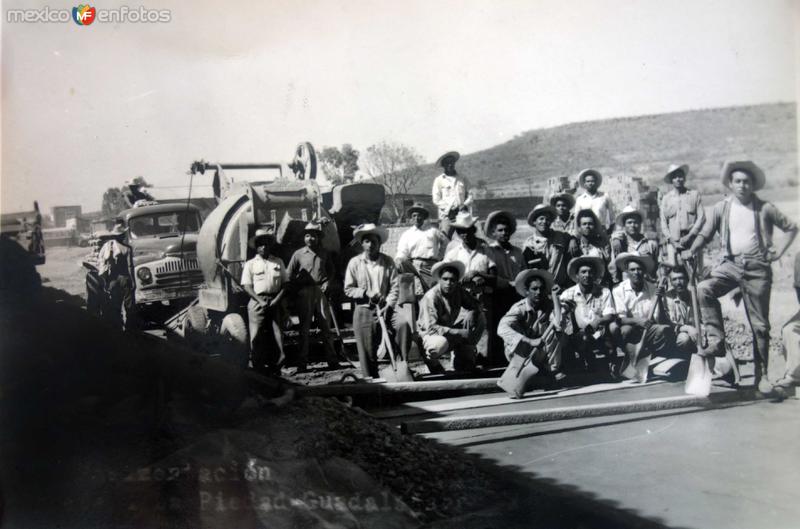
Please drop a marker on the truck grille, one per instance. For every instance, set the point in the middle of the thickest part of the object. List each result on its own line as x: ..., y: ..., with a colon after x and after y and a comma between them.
x: 178, y: 273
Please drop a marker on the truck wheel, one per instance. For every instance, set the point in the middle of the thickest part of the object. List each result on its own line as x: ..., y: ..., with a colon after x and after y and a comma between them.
x: 235, y: 346
x: 195, y: 328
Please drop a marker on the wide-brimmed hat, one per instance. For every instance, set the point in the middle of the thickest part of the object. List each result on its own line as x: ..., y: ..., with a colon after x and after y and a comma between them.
x: 313, y: 226
x: 118, y: 230
x: 586, y: 172
x: 575, y: 264
x: 541, y: 209
x: 371, y: 229
x: 439, y: 267
x: 524, y: 277
x: 622, y: 260
x: 674, y: 168
x: 420, y: 207
x: 449, y: 154
x: 628, y: 211
x: 261, y: 233
x: 569, y: 198
x: 755, y: 172
x: 464, y: 220
x: 495, y: 217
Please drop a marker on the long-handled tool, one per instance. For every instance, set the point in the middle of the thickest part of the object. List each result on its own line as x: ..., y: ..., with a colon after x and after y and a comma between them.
x: 338, y: 348
x: 701, y: 367
x: 399, y: 370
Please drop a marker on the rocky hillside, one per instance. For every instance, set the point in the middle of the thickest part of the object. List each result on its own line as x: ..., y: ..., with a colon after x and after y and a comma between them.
x: 639, y: 146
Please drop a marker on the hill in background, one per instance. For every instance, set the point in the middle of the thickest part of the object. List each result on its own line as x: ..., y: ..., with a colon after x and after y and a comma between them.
x: 641, y: 146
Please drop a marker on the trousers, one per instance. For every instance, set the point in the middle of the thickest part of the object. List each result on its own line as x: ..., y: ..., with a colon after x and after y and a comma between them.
x: 266, y: 338
x: 754, y: 279
x: 310, y: 307
x: 463, y: 351
x: 368, y: 335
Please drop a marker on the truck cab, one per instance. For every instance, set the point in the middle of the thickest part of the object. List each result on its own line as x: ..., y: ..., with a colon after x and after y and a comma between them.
x: 162, y: 239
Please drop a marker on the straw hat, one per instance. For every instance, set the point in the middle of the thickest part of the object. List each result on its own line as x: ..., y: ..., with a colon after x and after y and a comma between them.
x: 261, y: 233
x: 569, y: 198
x: 449, y: 154
x: 628, y: 211
x: 755, y: 172
x: 464, y: 220
x: 541, y: 209
x: 622, y: 260
x: 495, y: 217
x: 419, y: 207
x: 674, y: 168
x: 586, y: 172
x: 371, y: 229
x: 441, y: 266
x: 576, y: 263
x: 525, y: 277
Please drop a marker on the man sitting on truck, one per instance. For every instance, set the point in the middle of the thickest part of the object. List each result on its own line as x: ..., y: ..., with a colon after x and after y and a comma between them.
x: 310, y: 270
x: 264, y: 278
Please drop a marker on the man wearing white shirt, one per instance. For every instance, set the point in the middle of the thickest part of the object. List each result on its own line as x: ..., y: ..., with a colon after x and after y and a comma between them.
x: 419, y: 248
x: 594, y: 199
x: 450, y: 191
x: 263, y: 278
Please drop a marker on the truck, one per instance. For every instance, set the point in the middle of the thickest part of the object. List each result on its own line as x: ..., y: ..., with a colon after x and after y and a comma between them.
x: 217, y: 319
x: 162, y: 260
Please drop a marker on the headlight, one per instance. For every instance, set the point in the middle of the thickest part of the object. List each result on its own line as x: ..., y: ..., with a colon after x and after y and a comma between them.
x: 144, y: 275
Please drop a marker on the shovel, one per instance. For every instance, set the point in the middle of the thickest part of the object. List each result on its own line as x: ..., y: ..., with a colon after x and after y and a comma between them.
x: 640, y: 364
x: 701, y: 367
x: 399, y: 371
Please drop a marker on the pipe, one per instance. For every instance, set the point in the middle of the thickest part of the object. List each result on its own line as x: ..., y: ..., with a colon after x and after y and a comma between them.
x: 573, y: 412
x: 396, y: 388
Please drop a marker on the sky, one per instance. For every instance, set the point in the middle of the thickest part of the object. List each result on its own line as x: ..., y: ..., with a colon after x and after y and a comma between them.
x: 85, y: 108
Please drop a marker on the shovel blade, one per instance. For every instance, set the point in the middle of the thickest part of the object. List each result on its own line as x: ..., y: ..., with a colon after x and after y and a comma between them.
x: 399, y: 373
x: 698, y: 380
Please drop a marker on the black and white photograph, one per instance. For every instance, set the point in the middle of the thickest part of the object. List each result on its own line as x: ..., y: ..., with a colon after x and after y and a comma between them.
x: 362, y: 264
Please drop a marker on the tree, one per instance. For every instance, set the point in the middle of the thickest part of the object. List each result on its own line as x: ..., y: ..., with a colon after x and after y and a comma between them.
x: 396, y: 167
x: 339, y: 165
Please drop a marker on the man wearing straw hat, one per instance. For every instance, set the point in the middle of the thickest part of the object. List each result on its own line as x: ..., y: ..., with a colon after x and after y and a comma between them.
x: 548, y: 249
x: 310, y: 270
x: 594, y: 199
x: 745, y: 224
x: 450, y: 191
x: 450, y: 319
x: 631, y: 239
x: 264, y: 278
x: 681, y: 214
x: 591, y: 241
x: 563, y: 203
x: 114, y: 267
x: 526, y: 329
x: 371, y: 282
x: 419, y: 248
x: 500, y: 226
x: 633, y: 299
x: 480, y: 272
x: 591, y: 309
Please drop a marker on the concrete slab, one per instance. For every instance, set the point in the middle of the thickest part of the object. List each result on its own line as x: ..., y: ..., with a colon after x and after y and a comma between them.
x: 733, y: 467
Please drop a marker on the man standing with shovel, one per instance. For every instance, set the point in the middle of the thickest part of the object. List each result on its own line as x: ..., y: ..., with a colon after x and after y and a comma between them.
x: 371, y: 282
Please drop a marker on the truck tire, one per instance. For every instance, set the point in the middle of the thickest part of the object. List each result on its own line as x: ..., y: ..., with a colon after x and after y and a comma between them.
x: 195, y: 328
x: 235, y: 345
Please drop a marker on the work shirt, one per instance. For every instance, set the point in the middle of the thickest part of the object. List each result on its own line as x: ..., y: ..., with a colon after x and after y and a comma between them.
x: 622, y: 242
x: 509, y: 262
x: 266, y: 276
x: 679, y: 309
x: 567, y: 226
x: 548, y: 252
x: 593, y: 247
x: 438, y: 313
x: 475, y: 261
x: 112, y: 260
x: 365, y: 278
x: 632, y: 304
x: 316, y: 263
x: 523, y: 321
x: 766, y: 218
x: 449, y: 192
x: 599, y: 203
x: 681, y: 214
x: 425, y: 243
x: 590, y: 307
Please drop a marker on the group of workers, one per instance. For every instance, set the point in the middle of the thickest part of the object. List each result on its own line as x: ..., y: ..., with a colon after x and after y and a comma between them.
x: 587, y: 291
